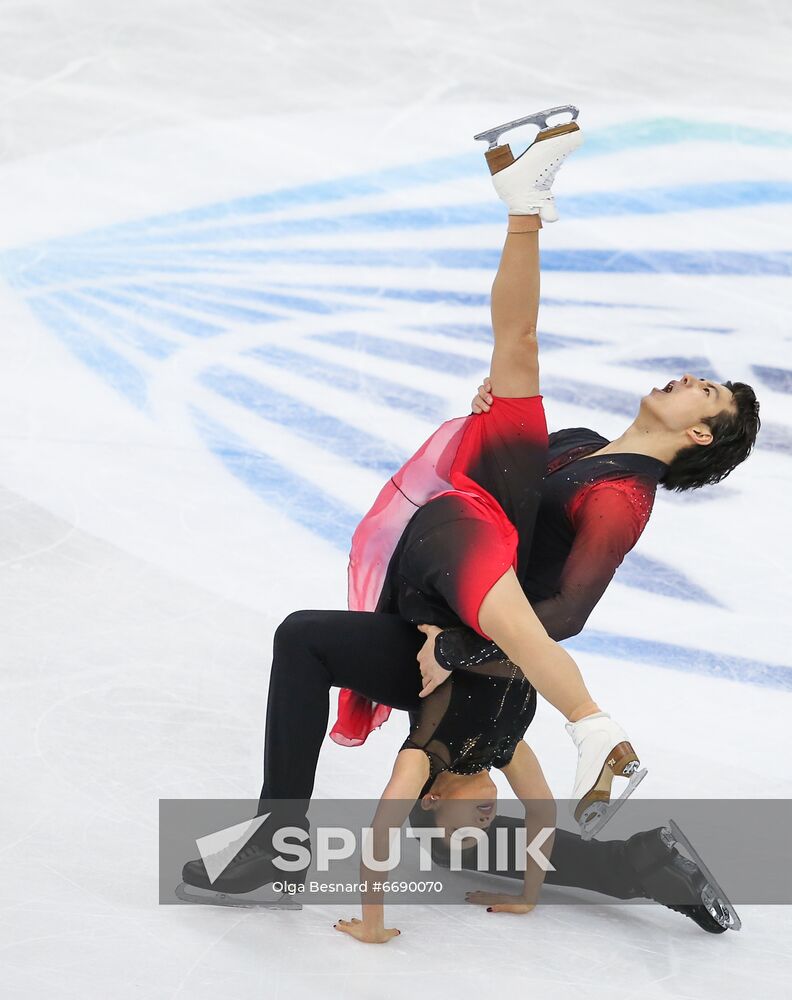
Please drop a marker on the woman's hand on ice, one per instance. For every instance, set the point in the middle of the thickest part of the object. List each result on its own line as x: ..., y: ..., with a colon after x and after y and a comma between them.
x: 365, y: 932
x: 500, y: 902
x: 432, y: 674
x: 481, y: 402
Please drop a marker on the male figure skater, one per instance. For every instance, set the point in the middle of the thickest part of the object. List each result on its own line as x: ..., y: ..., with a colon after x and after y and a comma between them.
x: 374, y: 654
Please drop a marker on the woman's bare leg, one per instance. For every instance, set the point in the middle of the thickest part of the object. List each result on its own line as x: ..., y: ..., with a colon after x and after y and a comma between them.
x: 514, y: 303
x: 514, y: 307
x: 507, y: 617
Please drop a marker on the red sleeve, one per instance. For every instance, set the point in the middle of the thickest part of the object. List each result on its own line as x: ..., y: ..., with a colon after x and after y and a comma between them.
x: 608, y: 519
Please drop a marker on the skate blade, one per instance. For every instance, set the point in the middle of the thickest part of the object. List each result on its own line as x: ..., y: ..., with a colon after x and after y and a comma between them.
x: 598, y: 814
x: 716, y: 902
x: 262, y: 899
x: 538, y: 118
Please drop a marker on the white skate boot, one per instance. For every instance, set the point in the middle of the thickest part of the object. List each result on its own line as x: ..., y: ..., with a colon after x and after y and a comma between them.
x: 604, y: 753
x: 525, y: 184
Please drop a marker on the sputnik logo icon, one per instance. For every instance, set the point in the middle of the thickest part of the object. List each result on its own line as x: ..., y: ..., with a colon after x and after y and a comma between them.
x: 218, y: 849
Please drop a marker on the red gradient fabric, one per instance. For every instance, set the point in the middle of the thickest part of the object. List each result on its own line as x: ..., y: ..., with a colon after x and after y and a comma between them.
x: 495, y: 460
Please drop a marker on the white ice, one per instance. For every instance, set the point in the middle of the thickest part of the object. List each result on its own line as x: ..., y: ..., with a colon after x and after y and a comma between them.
x: 152, y: 530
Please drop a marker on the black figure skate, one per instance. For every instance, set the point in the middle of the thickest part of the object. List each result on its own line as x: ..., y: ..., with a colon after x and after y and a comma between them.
x: 247, y: 880
x: 684, y: 884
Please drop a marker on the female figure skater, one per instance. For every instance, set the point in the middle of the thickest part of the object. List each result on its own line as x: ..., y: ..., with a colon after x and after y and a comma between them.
x: 456, y: 561
x: 460, y: 557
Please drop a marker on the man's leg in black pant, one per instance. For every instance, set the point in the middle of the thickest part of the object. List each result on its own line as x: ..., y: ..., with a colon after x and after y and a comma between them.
x: 645, y: 866
x: 371, y: 653
x: 313, y: 651
x: 583, y: 864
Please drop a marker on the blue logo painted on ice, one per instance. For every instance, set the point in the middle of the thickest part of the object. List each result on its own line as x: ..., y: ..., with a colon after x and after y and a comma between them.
x: 306, y: 284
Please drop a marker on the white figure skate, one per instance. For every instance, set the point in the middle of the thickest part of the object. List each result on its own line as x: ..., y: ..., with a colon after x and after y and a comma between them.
x: 604, y: 753
x: 525, y: 184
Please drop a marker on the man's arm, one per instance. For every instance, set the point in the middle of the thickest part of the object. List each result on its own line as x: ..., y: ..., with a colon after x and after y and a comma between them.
x: 607, y: 525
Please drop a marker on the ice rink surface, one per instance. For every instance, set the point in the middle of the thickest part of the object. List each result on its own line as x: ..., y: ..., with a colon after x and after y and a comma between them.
x: 245, y: 257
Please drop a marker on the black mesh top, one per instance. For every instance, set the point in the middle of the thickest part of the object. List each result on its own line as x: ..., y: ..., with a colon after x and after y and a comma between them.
x: 474, y: 720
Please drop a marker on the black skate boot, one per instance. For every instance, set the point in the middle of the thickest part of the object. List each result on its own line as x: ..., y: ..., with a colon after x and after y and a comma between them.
x: 247, y: 880
x: 681, y: 884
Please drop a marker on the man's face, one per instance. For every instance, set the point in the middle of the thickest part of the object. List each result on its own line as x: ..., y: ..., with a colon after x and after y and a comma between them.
x: 685, y: 402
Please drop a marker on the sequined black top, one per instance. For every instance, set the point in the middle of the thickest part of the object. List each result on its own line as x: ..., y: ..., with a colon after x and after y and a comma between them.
x: 474, y: 720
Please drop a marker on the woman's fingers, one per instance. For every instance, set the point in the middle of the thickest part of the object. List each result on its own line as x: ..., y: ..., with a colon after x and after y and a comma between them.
x: 510, y: 908
x: 348, y: 926
x: 357, y: 929
x: 499, y: 903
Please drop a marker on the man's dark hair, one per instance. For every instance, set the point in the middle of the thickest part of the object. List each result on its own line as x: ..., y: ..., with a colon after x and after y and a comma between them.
x: 733, y: 436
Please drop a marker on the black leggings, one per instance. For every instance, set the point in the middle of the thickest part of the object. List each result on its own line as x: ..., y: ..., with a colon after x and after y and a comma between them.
x: 376, y: 655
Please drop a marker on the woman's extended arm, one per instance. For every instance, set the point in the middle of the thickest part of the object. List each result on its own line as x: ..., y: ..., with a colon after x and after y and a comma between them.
x: 409, y: 775
x: 524, y: 774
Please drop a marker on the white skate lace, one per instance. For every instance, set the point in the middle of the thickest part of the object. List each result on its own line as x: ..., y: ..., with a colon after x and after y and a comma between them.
x: 548, y: 175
